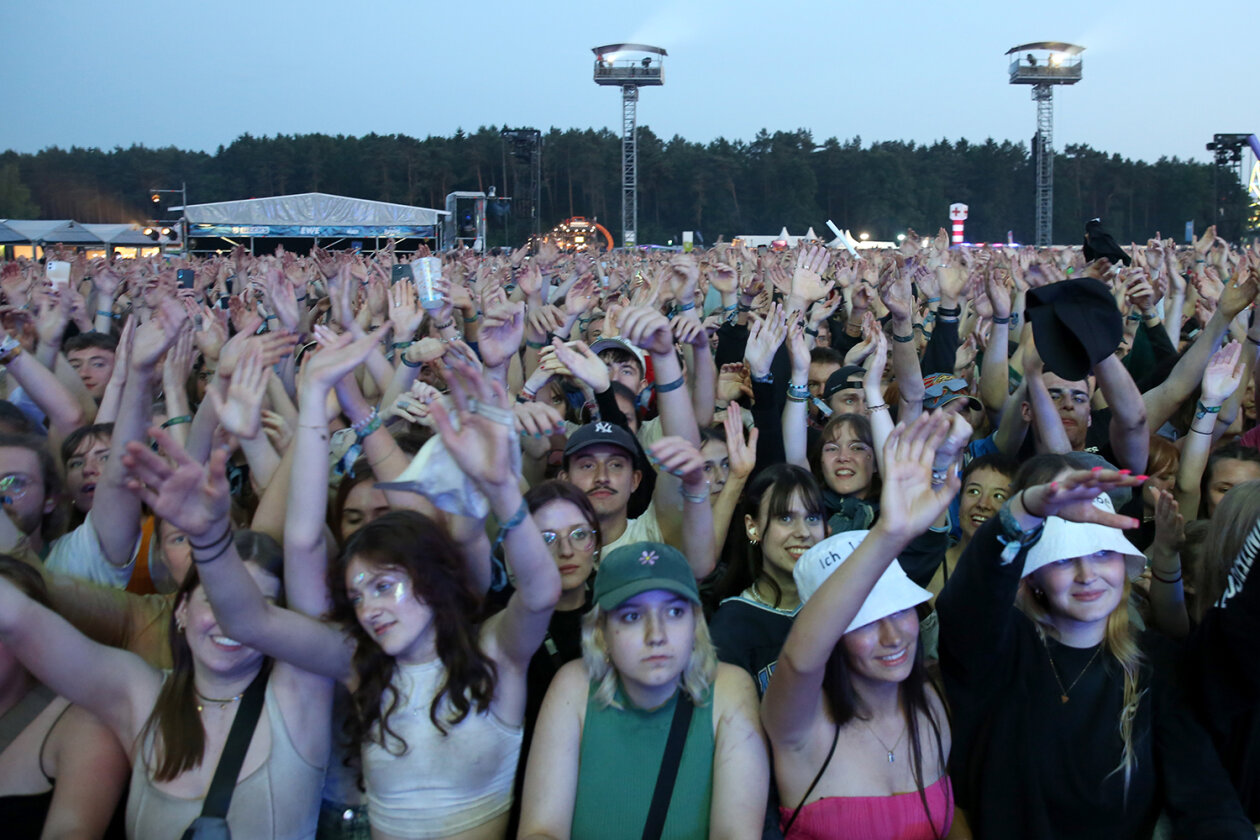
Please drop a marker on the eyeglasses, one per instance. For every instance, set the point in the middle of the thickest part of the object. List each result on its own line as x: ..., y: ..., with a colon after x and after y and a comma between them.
x: 14, y: 486
x: 582, y: 539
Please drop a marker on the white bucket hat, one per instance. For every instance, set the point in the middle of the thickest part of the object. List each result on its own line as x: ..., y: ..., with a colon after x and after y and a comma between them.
x: 893, y: 592
x: 1061, y: 540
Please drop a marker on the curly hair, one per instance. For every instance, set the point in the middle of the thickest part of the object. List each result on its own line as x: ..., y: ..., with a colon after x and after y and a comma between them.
x: 414, y: 544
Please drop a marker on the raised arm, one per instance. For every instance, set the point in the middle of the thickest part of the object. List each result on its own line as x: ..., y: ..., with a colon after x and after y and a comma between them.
x: 196, y: 500
x: 1221, y: 378
x: 116, y: 686
x: 116, y: 513
x: 1129, y: 434
x: 59, y: 405
x: 909, y: 503
x: 796, y: 409
x: 482, y: 447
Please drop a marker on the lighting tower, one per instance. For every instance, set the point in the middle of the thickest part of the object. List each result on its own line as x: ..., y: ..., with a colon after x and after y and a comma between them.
x: 630, y: 67
x: 1044, y: 64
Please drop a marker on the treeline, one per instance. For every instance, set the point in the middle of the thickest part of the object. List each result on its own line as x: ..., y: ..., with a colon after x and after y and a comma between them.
x: 721, y: 188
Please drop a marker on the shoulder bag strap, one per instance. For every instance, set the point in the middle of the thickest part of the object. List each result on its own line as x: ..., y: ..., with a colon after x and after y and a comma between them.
x: 219, y: 796
x: 669, y: 767
x: 834, y: 739
x: 20, y: 715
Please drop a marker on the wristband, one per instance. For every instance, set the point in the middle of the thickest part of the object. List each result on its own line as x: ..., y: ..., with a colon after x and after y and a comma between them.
x: 399, y: 345
x: 934, y: 300
x: 903, y: 339
x: 696, y: 498
x: 949, y: 311
x: 1005, y: 320
x: 516, y: 519
x: 1201, y: 410
x: 407, y: 362
x: 871, y: 409
x: 1157, y: 577
x: 535, y: 345
x: 445, y: 326
x: 687, y: 307
x: 473, y: 319
x: 670, y: 386
x: 732, y: 308
x: 1133, y: 316
x: 107, y: 313
x: 811, y: 333
x: 176, y: 421
x: 792, y: 398
x: 798, y: 391
x: 764, y: 380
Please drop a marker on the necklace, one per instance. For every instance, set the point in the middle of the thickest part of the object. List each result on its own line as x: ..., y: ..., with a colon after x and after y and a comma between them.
x: 222, y: 704
x: 891, y: 750
x: 1063, y: 696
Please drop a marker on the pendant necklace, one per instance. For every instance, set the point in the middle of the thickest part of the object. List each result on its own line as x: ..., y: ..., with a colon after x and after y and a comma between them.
x: 222, y: 704
x: 1063, y: 696
x: 891, y: 750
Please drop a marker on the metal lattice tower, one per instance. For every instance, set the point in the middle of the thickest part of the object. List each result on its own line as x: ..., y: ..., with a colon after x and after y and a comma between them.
x: 614, y: 67
x: 1043, y: 95
x: 1044, y: 64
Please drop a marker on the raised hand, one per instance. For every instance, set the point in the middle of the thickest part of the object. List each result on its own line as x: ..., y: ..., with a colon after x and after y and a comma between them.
x: 482, y: 445
x: 764, y: 338
x: 153, y: 337
x: 733, y: 382
x: 240, y: 412
x: 680, y: 457
x: 579, y: 362
x: 404, y: 309
x: 895, y: 292
x: 502, y: 329
x: 1223, y: 374
x: 338, y: 355
x: 1071, y: 496
x: 193, y: 498
x: 741, y: 453
x: 688, y: 330
x: 648, y: 329
x: 283, y: 298
x: 807, y: 282
x: 912, y: 498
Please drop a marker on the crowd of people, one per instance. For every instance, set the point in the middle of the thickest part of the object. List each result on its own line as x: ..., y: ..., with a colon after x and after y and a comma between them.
x: 921, y: 543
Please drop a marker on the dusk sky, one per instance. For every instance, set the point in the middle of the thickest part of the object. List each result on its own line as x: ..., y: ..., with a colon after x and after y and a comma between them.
x: 196, y: 75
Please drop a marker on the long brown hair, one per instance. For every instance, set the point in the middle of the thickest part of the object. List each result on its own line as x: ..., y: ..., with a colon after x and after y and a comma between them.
x: 181, y: 737
x: 845, y: 707
x: 419, y: 547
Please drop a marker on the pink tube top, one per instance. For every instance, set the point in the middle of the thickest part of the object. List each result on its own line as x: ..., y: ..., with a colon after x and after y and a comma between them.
x: 897, y: 817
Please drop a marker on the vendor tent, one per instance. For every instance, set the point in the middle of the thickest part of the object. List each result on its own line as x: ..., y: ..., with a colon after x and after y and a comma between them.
x: 122, y: 236
x: 9, y: 236
x: 60, y: 231
x: 316, y: 215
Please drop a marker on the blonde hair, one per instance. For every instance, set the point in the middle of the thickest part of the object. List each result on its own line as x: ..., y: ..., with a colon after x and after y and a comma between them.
x: 1119, y: 641
x: 696, y: 677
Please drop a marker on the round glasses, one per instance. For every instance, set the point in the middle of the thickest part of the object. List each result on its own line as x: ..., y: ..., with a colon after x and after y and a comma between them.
x: 582, y: 539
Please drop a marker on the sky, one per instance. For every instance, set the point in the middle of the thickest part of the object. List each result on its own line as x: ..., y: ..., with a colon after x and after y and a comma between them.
x: 1159, y: 78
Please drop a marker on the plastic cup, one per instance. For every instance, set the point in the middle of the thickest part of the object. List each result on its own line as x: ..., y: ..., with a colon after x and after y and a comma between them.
x: 428, y: 271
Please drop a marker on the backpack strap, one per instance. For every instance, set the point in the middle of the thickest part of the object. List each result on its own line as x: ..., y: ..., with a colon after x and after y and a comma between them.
x: 669, y: 767
x: 219, y: 797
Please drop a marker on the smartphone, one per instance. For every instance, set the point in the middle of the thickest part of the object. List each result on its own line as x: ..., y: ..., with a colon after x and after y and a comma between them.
x: 58, y: 274
x: 185, y: 277
x: 227, y: 284
x: 400, y: 271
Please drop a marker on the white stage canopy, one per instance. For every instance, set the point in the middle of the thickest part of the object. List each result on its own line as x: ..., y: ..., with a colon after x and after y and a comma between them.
x: 310, y: 214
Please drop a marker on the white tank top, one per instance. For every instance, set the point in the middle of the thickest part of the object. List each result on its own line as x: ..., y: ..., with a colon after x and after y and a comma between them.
x: 442, y: 784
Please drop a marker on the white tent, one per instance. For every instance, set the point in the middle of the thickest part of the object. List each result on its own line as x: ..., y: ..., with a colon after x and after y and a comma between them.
x: 310, y: 214
x: 122, y: 235
x: 60, y: 231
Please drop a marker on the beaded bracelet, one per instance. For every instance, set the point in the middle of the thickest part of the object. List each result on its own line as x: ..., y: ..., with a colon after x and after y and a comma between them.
x: 801, y: 391
x: 364, y: 426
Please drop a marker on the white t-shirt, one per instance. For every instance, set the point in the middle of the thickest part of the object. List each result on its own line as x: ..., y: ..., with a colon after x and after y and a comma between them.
x: 79, y: 554
x: 642, y: 529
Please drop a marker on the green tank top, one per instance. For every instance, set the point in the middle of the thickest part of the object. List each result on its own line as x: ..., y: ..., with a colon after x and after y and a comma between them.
x: 619, y: 760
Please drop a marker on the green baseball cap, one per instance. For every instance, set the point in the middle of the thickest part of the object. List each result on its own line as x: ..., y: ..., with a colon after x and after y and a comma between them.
x: 642, y: 567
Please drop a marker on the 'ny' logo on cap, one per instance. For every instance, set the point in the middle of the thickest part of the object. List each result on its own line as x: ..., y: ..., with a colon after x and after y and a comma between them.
x: 604, y: 428
x: 648, y: 558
